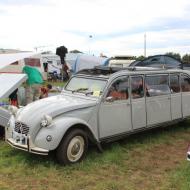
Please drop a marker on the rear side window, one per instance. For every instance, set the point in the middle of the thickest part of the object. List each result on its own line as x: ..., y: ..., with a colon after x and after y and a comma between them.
x: 157, y: 85
x: 185, y: 83
x: 174, y: 84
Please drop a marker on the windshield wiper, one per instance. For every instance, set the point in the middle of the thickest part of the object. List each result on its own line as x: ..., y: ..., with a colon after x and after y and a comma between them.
x: 79, y: 89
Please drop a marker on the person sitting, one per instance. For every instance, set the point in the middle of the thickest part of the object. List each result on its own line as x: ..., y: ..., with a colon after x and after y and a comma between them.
x: 117, y: 94
x: 137, y: 90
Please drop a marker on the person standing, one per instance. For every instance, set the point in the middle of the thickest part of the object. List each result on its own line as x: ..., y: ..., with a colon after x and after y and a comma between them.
x: 33, y: 83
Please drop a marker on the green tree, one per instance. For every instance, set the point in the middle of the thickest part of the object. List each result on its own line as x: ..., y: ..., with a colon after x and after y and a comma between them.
x: 186, y: 58
x: 174, y: 55
x: 140, y: 58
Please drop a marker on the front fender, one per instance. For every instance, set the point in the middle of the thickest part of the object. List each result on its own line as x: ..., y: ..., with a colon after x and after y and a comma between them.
x: 57, y: 131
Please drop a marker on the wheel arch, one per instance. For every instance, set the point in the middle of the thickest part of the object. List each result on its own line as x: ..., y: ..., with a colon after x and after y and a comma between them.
x: 83, y: 127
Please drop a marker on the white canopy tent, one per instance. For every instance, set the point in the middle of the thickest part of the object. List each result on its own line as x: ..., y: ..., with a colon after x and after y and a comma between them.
x: 10, y: 82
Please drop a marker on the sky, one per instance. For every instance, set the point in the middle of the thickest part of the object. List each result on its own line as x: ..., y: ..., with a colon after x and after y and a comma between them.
x: 111, y: 27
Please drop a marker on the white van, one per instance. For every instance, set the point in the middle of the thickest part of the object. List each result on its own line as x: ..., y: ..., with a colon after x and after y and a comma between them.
x: 121, y: 61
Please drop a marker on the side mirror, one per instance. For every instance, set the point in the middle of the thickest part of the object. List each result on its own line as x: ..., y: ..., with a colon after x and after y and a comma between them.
x: 109, y: 99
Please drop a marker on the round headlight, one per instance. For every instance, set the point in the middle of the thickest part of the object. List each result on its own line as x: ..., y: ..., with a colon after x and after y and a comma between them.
x: 46, y: 120
x: 13, y: 109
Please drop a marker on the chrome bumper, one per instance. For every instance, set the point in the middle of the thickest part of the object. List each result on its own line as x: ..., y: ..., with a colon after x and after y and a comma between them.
x: 26, y: 147
x: 21, y: 141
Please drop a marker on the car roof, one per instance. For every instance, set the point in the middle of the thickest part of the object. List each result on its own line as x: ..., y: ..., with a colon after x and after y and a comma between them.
x: 108, y: 72
x: 160, y: 55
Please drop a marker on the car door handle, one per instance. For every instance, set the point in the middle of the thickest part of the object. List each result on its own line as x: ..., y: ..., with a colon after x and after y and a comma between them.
x: 169, y: 98
x: 128, y: 104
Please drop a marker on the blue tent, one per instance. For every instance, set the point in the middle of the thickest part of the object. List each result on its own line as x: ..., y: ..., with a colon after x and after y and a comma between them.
x: 84, y: 61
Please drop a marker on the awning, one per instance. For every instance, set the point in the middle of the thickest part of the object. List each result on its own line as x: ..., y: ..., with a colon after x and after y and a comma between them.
x: 10, y: 82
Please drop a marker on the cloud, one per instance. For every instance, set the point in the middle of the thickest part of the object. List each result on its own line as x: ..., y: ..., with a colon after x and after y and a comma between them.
x: 22, y: 2
x: 116, y: 26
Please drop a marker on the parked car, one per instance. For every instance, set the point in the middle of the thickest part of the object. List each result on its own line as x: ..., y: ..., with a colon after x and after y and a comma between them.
x: 100, y: 105
x: 160, y: 61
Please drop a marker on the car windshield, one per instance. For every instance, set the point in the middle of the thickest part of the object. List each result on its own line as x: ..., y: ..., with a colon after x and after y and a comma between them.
x: 88, y: 86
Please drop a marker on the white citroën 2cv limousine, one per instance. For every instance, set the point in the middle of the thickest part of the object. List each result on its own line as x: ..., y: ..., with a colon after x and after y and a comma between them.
x: 100, y: 105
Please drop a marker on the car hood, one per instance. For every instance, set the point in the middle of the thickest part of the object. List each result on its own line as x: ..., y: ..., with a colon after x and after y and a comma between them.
x: 53, y: 106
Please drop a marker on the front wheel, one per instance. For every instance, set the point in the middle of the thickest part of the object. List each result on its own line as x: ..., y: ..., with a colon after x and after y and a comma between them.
x: 73, y: 147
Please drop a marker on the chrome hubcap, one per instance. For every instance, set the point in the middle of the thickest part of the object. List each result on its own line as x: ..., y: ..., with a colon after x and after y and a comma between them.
x: 75, y: 149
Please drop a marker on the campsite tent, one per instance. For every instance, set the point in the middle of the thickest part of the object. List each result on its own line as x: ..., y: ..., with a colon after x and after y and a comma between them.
x: 85, y: 61
x: 71, y: 59
x: 75, y: 61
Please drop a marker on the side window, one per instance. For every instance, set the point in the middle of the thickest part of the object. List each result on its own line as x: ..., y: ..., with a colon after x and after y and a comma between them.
x: 157, y: 85
x: 171, y: 61
x: 185, y: 83
x: 174, y: 84
x: 119, y: 89
x: 137, y: 90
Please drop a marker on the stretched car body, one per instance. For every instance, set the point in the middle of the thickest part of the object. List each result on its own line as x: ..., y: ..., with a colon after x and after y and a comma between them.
x: 100, y: 105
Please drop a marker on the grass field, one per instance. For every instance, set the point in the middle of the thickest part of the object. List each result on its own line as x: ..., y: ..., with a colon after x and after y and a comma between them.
x: 58, y: 83
x: 151, y: 160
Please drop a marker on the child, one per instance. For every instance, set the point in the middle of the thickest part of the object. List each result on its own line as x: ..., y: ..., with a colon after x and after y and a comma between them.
x: 13, y: 98
x: 45, y: 90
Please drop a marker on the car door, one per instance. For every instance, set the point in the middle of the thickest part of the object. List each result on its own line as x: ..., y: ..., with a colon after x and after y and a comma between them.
x: 157, y: 99
x: 138, y: 106
x: 115, y: 109
x: 185, y: 88
x: 176, y: 108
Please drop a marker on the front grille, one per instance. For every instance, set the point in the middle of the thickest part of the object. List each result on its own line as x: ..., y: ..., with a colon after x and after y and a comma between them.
x: 21, y: 128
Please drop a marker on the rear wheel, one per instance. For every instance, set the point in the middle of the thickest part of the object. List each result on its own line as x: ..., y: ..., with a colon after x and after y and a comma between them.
x: 73, y: 147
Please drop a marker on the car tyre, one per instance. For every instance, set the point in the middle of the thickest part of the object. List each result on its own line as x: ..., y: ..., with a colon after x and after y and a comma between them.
x: 73, y: 147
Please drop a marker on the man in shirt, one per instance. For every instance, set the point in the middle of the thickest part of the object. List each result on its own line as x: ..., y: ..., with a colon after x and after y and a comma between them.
x: 33, y: 83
